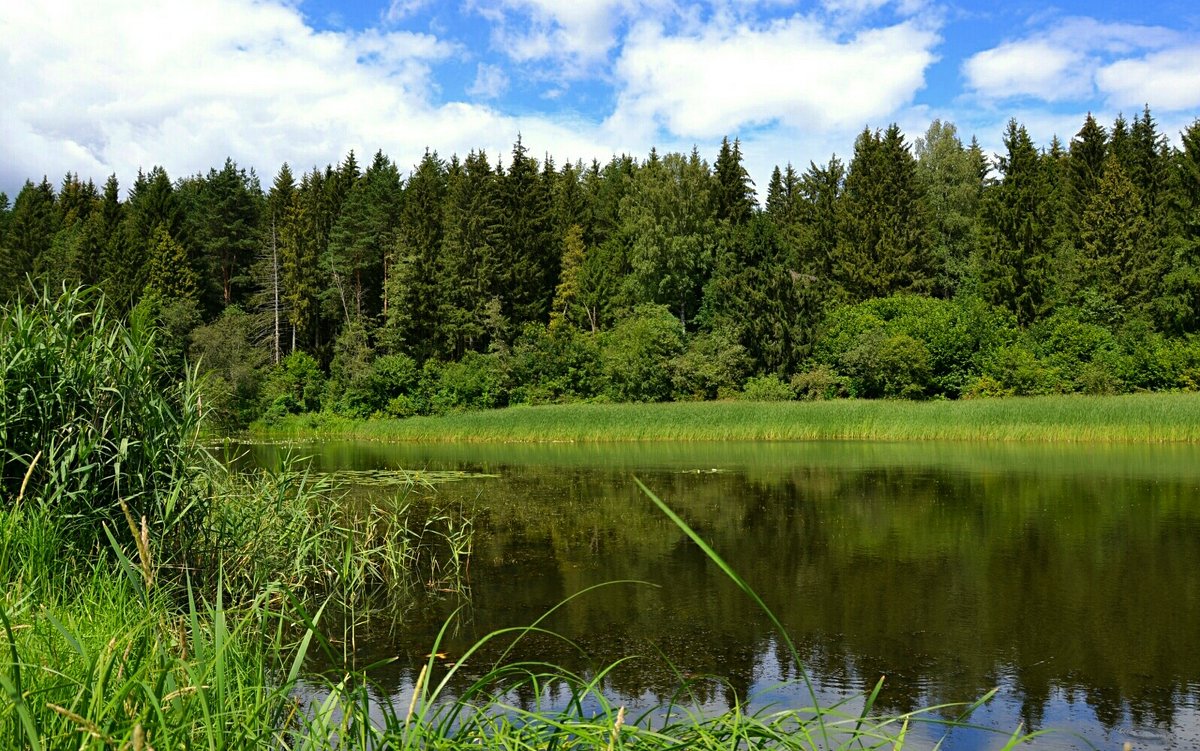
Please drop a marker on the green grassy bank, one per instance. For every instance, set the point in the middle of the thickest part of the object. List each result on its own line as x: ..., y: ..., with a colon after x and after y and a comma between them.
x: 1139, y: 418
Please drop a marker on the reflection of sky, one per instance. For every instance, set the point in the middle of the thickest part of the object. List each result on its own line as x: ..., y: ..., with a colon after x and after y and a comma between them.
x: 1067, y: 721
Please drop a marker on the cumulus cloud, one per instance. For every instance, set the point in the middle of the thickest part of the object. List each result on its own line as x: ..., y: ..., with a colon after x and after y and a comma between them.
x: 794, y: 72
x: 1068, y: 61
x: 1168, y: 80
x: 185, y: 83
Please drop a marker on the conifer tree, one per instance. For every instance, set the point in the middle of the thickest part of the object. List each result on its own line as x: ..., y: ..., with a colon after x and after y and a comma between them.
x: 31, y: 229
x: 230, y: 215
x: 734, y: 189
x: 883, y: 244
x: 531, y: 257
x: 414, y: 287
x: 821, y: 190
x: 1119, y: 263
x: 472, y: 274
x: 1179, y: 307
x: 1015, y: 244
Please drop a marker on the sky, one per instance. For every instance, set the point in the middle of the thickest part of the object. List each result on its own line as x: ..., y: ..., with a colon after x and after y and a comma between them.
x: 101, y: 87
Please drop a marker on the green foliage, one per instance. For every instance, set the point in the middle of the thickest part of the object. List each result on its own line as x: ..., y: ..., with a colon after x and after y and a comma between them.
x: 1015, y: 236
x: 912, y: 346
x: 548, y: 366
x: 636, y: 355
x: 477, y: 381
x: 767, y: 388
x: 91, y: 416
x: 231, y: 364
x: 294, y: 386
x: 884, y: 243
x: 820, y: 383
x: 713, y: 366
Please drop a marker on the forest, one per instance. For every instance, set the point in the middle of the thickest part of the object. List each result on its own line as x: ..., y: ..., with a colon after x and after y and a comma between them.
x: 917, y: 269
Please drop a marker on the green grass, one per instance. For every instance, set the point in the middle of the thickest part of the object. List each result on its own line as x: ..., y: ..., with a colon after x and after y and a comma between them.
x: 1140, y: 418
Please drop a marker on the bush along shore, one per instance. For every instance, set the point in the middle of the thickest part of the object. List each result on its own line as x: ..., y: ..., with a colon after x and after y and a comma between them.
x: 151, y: 599
x: 1135, y: 418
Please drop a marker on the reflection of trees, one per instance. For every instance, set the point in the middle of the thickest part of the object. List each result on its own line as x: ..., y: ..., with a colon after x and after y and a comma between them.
x: 947, y: 581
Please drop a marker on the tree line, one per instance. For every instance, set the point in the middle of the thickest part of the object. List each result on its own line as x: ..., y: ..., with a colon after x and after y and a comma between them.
x: 922, y: 269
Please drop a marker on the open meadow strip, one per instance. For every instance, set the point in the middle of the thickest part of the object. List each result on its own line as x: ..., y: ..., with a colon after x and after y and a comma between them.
x: 1136, y: 418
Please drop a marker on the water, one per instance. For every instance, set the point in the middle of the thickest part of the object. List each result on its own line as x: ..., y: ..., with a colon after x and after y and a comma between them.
x: 1068, y: 577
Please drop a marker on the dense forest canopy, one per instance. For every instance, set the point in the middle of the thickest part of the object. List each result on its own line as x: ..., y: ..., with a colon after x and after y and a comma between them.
x: 920, y: 269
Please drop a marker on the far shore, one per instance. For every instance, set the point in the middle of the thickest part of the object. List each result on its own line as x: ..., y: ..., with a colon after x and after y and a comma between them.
x: 1136, y: 418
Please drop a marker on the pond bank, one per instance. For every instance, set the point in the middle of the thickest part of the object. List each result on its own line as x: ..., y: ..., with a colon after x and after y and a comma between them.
x: 1137, y: 418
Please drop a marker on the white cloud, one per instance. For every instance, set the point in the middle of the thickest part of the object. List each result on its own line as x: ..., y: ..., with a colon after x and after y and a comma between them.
x: 1063, y: 62
x: 490, y: 82
x: 185, y: 83
x: 579, y: 33
x: 1168, y: 80
x: 398, y: 10
x: 793, y: 72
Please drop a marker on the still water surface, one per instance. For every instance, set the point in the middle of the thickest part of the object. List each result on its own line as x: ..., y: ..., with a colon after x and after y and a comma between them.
x: 1066, y: 576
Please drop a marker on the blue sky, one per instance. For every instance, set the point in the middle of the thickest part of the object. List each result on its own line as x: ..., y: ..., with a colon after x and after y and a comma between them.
x: 99, y: 88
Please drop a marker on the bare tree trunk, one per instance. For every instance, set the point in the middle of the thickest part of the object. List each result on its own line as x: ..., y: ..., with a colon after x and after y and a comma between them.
x: 275, y: 285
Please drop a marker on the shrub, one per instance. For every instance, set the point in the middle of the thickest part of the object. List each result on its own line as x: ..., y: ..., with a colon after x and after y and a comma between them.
x: 713, y: 366
x: 888, y: 366
x: 637, y: 355
x: 477, y: 381
x: 562, y: 365
x: 767, y: 388
x: 822, y: 382
x: 294, y: 386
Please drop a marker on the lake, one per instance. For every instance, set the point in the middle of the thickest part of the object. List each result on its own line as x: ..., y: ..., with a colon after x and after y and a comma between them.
x: 1065, y: 576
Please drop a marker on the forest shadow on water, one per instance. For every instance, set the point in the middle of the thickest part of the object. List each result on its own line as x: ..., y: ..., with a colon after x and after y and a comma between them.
x: 1066, y: 576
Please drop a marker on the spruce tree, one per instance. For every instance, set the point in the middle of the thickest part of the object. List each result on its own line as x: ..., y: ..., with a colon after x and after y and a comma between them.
x: 1015, y: 245
x: 734, y: 199
x: 414, y: 292
x: 1119, y: 262
x: 531, y: 257
x: 883, y: 244
x: 471, y: 270
x: 31, y: 230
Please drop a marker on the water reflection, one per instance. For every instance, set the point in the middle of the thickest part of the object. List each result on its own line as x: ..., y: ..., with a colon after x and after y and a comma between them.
x: 1067, y: 576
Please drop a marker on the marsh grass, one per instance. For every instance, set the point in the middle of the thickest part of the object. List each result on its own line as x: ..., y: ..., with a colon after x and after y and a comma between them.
x: 1137, y: 418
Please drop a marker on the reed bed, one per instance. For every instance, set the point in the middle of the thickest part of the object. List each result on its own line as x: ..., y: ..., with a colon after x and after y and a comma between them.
x: 1137, y: 418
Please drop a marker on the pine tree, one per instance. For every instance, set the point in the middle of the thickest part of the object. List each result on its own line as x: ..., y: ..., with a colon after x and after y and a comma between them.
x: 821, y: 189
x: 31, y: 229
x: 169, y: 273
x: 1085, y: 168
x: 230, y: 215
x: 566, y: 295
x: 300, y: 237
x: 770, y: 309
x: 1179, y: 307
